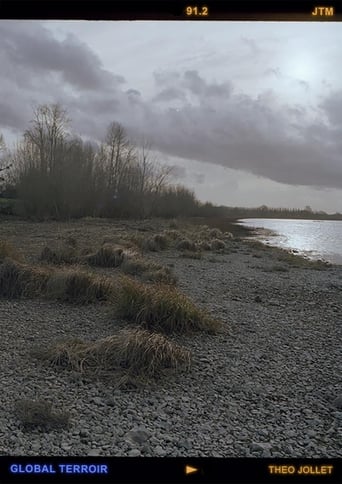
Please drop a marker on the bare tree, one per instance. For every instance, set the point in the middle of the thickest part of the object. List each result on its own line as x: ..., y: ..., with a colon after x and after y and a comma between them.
x: 48, y: 134
x: 117, y: 151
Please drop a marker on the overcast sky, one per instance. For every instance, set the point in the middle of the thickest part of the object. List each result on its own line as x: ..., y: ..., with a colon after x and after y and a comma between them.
x: 249, y: 112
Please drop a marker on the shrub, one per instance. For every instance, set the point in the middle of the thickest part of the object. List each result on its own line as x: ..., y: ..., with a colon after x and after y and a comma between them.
x: 137, y: 351
x: 162, y: 308
x: 38, y: 413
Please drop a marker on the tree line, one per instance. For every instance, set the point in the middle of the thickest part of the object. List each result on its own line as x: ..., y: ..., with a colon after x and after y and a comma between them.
x: 55, y: 174
x: 52, y: 173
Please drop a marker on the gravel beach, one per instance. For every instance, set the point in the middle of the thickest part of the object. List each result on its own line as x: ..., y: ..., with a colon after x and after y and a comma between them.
x: 268, y: 385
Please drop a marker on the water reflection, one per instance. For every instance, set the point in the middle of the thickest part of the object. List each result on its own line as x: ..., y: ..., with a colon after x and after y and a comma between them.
x: 317, y: 239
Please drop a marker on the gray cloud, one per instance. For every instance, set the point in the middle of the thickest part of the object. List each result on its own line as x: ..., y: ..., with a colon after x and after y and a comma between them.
x: 190, y: 117
x: 34, y: 49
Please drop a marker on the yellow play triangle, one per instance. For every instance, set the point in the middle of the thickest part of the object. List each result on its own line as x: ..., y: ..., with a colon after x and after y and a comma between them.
x: 190, y: 470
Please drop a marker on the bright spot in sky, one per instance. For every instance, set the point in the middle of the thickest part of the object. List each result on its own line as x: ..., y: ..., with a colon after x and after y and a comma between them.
x: 302, y: 67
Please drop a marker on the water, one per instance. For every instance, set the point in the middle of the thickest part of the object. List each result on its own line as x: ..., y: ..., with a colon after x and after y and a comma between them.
x: 316, y: 239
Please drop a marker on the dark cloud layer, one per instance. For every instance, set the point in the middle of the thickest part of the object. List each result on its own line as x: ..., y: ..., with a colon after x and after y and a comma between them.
x: 187, y: 116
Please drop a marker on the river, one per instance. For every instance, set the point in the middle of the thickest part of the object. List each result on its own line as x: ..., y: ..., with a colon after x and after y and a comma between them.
x: 316, y: 239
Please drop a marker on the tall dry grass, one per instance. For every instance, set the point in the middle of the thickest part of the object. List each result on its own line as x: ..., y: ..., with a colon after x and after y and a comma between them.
x: 162, y: 308
x: 65, y: 284
x: 137, y: 351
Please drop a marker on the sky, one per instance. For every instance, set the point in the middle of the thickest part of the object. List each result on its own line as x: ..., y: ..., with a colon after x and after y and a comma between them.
x: 249, y: 113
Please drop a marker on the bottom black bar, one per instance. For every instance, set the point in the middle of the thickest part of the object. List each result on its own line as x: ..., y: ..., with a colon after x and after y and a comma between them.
x: 168, y: 470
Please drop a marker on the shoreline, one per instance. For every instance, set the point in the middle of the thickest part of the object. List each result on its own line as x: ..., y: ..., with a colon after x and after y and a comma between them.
x: 265, y: 386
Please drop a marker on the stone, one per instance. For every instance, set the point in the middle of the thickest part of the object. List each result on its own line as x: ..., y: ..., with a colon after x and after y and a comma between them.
x: 139, y: 436
x: 338, y: 402
x: 94, y: 452
x: 185, y: 443
x: 134, y: 453
x: 159, y: 451
x: 260, y: 446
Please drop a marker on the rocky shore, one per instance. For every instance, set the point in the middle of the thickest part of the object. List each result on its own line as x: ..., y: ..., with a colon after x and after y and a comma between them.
x: 268, y: 385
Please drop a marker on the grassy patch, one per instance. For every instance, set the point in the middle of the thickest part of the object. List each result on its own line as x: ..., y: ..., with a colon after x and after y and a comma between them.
x: 173, y: 234
x: 137, y: 351
x: 204, y: 245
x: 276, y: 268
x: 7, y: 250
x: 76, y: 286
x: 61, y: 255
x: 186, y: 245
x: 38, y: 413
x: 148, y: 271
x: 215, y: 233
x: 17, y: 280
x: 217, y: 244
x: 155, y: 243
x: 190, y: 254
x: 67, y: 284
x: 300, y: 262
x: 106, y: 256
x: 162, y: 308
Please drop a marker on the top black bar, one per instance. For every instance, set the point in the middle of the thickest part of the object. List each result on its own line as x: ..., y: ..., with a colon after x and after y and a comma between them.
x: 291, y: 10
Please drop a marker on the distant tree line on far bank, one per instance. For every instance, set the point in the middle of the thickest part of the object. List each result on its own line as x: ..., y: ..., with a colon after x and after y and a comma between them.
x: 54, y: 174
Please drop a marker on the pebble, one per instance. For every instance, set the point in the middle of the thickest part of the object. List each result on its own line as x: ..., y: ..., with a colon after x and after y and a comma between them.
x: 94, y: 452
x: 134, y: 453
x: 270, y: 377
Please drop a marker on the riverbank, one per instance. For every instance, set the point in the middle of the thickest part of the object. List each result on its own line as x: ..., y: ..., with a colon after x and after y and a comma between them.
x: 266, y: 385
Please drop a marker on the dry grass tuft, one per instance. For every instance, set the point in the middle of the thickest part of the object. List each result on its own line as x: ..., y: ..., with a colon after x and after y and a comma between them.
x: 8, y: 251
x: 67, y: 284
x: 136, y: 351
x: 60, y: 255
x: 215, y: 233
x: 155, y: 243
x: 186, y: 244
x: 160, y: 308
x: 149, y: 271
x: 190, y: 254
x: 18, y: 280
x: 204, y: 245
x: 173, y: 234
x: 76, y: 286
x: 163, y: 275
x: 106, y: 256
x: 217, y: 244
x: 38, y: 413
